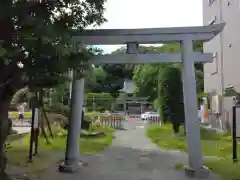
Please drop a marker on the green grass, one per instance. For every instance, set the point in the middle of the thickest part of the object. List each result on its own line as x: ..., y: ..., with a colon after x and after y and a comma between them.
x: 93, y: 114
x: 88, y: 115
x: 87, y: 145
x: 225, y: 168
x: 213, y: 144
x: 179, y: 166
x: 14, y: 114
x: 18, y: 152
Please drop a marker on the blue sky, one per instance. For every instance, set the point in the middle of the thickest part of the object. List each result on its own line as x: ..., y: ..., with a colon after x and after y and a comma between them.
x: 126, y: 14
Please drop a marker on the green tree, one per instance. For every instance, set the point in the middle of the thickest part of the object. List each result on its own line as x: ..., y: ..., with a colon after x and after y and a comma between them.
x: 146, y: 75
x: 116, y: 73
x: 98, y: 101
x: 20, y: 96
x: 146, y: 79
x: 171, y: 97
x: 109, y: 78
x: 36, y: 46
x: 199, y: 81
x: 97, y: 84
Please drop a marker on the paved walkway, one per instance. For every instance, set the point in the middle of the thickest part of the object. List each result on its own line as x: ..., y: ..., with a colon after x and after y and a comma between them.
x: 21, y: 126
x: 131, y: 157
x: 22, y: 130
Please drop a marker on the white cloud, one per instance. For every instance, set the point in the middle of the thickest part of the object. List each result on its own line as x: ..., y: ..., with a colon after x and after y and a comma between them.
x: 126, y: 14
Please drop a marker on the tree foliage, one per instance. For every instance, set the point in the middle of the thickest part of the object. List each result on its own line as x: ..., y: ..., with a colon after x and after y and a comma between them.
x: 98, y: 101
x: 20, y: 96
x: 36, y: 46
x: 116, y: 73
x: 146, y: 79
x: 146, y: 75
x: 37, y: 35
x: 162, y: 83
x: 171, y: 96
x: 109, y: 78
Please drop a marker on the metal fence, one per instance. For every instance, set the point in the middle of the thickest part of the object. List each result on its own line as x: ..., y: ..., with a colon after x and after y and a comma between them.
x: 154, y: 120
x: 113, y: 121
x: 116, y: 122
x: 133, y: 117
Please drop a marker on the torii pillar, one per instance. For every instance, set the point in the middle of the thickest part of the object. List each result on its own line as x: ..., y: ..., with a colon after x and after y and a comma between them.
x: 184, y: 35
x: 195, y: 159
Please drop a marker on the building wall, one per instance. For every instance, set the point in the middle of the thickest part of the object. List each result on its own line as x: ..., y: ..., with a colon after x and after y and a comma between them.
x: 225, y: 46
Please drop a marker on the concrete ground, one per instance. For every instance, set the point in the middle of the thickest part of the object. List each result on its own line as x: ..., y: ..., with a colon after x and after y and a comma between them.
x: 131, y: 157
x: 22, y: 130
x: 21, y: 126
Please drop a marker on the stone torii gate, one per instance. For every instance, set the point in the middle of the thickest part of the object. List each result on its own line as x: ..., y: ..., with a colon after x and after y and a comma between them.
x: 133, y: 37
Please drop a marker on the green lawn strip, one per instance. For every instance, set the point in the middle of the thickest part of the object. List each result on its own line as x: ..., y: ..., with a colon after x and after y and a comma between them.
x: 18, y: 151
x: 95, y: 113
x: 213, y: 144
x: 225, y: 168
x: 87, y: 145
x: 18, y: 157
x: 179, y: 166
x: 14, y: 114
x: 101, y: 116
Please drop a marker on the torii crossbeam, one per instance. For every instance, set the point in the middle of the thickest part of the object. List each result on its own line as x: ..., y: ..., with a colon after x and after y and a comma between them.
x: 133, y: 37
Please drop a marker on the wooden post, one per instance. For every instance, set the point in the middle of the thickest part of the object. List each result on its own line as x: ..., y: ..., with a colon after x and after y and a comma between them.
x: 234, y: 134
x: 30, y: 155
x: 37, y: 118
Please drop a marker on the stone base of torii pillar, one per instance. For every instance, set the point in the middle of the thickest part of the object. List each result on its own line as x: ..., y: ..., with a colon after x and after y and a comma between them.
x: 202, y: 172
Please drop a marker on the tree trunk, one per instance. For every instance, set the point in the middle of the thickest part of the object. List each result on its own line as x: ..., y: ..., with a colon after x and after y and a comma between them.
x: 185, y: 128
x: 176, y: 127
x: 5, y: 127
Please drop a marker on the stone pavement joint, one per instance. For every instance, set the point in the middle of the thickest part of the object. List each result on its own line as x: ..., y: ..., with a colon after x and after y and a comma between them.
x: 132, y: 156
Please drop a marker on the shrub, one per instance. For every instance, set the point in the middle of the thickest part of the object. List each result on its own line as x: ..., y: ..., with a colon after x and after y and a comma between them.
x: 62, y: 133
x: 171, y: 96
x: 88, y: 119
x: 59, y: 108
x: 59, y: 114
x: 57, y: 120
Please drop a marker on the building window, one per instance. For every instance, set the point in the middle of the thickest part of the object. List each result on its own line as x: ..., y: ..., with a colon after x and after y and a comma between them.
x: 212, y: 21
x: 210, y: 2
